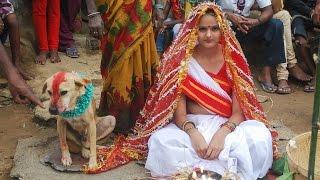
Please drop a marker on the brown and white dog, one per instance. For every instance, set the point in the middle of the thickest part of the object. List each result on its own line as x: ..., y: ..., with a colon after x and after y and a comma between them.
x: 64, y: 90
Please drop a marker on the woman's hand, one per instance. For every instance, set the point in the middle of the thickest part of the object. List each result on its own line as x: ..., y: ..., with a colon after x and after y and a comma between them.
x: 199, y: 144
x: 239, y: 21
x: 216, y: 144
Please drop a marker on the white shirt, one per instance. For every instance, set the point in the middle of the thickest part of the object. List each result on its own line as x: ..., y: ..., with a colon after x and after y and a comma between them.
x: 242, y: 7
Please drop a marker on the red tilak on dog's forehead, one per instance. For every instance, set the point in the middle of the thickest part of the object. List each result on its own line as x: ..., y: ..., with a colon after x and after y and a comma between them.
x: 57, y: 80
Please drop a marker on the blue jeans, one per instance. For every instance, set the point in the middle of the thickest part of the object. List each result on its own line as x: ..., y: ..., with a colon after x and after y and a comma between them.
x: 271, y: 34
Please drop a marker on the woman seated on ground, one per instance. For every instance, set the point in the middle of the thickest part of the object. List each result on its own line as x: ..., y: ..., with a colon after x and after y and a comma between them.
x: 200, y: 111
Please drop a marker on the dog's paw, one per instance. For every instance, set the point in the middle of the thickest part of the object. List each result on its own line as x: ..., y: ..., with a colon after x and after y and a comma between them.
x: 85, y: 153
x: 93, y: 163
x: 66, y: 159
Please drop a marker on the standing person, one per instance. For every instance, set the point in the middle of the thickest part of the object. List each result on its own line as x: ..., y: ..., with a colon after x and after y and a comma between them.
x: 201, y: 110
x: 69, y: 11
x: 291, y: 65
x: 129, y: 59
x: 262, y: 29
x: 9, y: 25
x: 46, y: 19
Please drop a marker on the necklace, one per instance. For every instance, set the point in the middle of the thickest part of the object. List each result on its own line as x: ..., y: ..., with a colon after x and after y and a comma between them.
x: 82, y: 104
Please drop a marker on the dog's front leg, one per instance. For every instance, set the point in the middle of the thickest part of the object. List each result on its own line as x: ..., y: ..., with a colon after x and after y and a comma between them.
x: 65, y: 154
x: 93, y: 145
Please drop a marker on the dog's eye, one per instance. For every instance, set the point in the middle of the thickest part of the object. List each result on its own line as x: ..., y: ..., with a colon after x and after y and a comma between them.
x: 63, y: 93
x: 50, y: 93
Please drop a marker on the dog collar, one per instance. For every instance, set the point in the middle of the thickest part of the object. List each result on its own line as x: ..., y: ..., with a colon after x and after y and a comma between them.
x: 82, y: 104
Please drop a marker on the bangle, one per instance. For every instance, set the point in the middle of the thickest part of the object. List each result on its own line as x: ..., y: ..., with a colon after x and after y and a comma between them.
x: 189, y: 129
x: 230, y: 125
x: 93, y: 14
x: 185, y: 123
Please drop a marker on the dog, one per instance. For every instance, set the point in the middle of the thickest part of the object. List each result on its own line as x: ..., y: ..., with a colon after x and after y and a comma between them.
x: 71, y: 98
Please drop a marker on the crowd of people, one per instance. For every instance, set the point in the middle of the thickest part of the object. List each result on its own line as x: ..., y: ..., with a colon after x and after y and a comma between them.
x: 191, y: 107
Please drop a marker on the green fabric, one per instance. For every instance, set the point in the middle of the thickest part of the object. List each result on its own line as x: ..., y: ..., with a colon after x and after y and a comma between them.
x: 281, y: 167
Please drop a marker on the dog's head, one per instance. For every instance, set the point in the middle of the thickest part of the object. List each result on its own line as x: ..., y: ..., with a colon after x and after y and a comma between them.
x: 64, y: 89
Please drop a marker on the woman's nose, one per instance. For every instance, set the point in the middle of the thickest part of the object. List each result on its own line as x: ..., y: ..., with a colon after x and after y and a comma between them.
x: 209, y: 33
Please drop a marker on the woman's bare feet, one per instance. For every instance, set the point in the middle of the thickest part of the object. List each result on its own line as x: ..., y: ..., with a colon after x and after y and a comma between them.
x: 54, y: 56
x: 41, y: 58
x: 299, y: 74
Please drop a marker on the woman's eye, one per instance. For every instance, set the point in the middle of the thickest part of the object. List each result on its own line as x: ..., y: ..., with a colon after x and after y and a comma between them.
x: 63, y: 93
x: 50, y: 93
x: 202, y: 29
x: 215, y: 28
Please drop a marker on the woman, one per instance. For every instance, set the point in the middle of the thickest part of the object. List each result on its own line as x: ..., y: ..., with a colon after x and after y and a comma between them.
x: 203, y: 99
x: 129, y: 59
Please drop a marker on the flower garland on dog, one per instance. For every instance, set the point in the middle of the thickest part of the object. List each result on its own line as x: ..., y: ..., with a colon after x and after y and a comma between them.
x: 82, y: 104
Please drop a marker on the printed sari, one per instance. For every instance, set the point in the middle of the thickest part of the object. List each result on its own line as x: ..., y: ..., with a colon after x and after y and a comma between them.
x: 129, y: 59
x: 163, y: 96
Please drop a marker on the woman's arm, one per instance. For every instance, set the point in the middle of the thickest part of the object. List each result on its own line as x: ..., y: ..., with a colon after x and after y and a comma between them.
x: 217, y: 141
x: 237, y: 116
x: 180, y: 118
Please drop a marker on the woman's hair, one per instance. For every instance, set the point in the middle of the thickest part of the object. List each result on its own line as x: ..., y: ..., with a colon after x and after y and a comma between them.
x: 210, y: 12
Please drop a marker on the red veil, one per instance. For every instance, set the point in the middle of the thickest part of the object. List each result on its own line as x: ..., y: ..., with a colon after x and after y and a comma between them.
x: 164, y: 94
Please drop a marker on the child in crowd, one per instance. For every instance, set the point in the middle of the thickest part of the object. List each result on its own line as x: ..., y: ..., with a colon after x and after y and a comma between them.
x: 46, y: 18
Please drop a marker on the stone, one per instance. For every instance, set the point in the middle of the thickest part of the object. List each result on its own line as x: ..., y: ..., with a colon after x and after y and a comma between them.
x: 43, y: 114
x: 30, y: 152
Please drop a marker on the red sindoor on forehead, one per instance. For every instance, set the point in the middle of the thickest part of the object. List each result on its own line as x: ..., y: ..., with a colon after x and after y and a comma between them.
x: 57, y: 80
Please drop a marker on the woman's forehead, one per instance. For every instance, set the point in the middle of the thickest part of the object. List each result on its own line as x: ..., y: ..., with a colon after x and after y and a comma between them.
x: 208, y: 19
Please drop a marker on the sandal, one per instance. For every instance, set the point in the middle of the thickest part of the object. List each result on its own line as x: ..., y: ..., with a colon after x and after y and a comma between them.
x: 72, y: 52
x: 284, y: 90
x: 268, y: 87
x: 309, y: 87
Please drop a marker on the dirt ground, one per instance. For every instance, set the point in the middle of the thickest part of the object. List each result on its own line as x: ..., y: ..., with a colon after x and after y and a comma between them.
x: 16, y: 121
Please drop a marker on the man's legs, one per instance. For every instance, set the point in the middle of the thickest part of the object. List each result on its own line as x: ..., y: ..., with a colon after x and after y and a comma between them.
x: 271, y: 33
x: 69, y: 11
x: 300, y: 34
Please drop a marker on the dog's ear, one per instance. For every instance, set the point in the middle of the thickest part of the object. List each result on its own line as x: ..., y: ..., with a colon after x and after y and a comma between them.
x: 81, y: 82
x: 44, y: 88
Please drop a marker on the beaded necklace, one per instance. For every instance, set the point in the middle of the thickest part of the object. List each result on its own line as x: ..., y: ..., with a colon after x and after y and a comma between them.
x: 82, y: 104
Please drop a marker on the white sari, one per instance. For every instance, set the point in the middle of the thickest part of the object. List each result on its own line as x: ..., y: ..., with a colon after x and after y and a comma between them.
x: 170, y: 148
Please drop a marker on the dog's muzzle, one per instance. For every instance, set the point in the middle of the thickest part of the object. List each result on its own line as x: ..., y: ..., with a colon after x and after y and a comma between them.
x: 53, y: 110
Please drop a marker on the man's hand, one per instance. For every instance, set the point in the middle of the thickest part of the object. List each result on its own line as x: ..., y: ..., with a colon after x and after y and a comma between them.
x: 1, y: 26
x: 216, y: 144
x: 250, y: 22
x: 96, y: 26
x: 239, y: 21
x: 199, y: 144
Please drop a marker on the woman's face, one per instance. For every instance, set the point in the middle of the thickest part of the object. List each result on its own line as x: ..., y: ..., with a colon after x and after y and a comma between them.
x: 208, y: 31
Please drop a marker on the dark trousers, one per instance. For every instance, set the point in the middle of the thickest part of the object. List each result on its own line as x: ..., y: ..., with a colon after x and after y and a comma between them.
x: 270, y: 34
x: 69, y: 12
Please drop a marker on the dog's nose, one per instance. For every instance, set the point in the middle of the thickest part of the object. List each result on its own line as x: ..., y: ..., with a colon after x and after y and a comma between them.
x: 53, y: 110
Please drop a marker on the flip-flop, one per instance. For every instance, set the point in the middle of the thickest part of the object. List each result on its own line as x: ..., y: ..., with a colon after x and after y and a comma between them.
x: 284, y: 90
x: 72, y: 52
x: 309, y: 87
x: 268, y: 87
